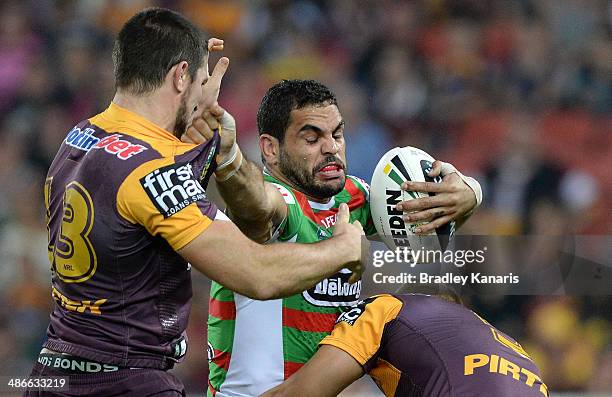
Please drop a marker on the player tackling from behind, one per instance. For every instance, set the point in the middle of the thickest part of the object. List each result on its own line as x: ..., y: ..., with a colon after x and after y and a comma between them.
x: 127, y: 211
x: 254, y: 345
x: 415, y: 346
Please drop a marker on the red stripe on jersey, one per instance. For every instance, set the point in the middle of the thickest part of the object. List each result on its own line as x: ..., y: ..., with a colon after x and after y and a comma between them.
x: 224, y: 310
x: 357, y: 197
x: 291, y: 368
x: 357, y: 200
x: 309, y: 321
x: 305, y: 206
x: 221, y: 359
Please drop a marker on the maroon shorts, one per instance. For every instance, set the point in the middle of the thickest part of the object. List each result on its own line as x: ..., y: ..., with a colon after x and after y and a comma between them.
x: 143, y: 382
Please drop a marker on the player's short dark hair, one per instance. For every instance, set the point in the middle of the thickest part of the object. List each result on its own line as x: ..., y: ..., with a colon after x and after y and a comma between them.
x: 287, y: 95
x: 150, y: 44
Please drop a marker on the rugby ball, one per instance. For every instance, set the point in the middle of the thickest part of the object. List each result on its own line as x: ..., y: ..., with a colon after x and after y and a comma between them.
x: 397, y: 166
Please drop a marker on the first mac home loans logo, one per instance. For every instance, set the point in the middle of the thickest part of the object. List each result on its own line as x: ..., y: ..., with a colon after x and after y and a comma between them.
x: 172, y: 188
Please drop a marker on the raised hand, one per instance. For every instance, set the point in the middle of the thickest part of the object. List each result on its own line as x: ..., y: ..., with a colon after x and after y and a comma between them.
x: 202, y: 129
x: 213, y: 85
x: 213, y: 116
x: 350, y: 236
x: 215, y: 44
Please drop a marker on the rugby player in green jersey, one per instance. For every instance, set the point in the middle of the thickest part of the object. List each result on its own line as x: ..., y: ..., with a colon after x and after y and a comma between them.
x: 255, y: 345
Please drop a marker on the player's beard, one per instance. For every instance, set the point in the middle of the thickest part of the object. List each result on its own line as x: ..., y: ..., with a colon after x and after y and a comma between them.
x: 304, y: 180
x: 181, y: 121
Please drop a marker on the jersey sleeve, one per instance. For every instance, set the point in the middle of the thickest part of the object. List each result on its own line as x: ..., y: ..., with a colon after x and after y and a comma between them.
x: 167, y: 200
x: 359, y: 330
x: 290, y: 226
x: 365, y: 216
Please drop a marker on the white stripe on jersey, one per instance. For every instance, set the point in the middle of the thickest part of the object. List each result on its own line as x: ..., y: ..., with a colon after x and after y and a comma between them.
x: 257, y: 362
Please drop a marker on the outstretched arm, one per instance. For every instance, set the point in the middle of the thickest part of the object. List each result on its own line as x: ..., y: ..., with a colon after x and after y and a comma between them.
x: 326, y: 374
x: 256, y: 206
x: 263, y: 272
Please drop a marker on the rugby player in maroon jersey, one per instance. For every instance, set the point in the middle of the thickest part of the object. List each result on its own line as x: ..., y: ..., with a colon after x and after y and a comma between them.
x: 415, y: 345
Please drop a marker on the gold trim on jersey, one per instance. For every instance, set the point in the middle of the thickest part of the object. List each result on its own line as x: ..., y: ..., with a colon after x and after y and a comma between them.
x: 362, y: 339
x: 135, y: 206
x: 116, y: 119
x: 386, y: 376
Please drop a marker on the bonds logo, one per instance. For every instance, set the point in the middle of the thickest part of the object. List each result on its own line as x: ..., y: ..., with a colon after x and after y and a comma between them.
x: 179, y: 347
x: 172, y: 188
x: 334, y: 291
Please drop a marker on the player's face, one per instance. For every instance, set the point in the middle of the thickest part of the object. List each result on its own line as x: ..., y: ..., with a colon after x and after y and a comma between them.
x: 190, y: 100
x: 312, y: 155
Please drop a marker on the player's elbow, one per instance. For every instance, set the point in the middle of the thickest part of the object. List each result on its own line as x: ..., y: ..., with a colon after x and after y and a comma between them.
x: 258, y: 285
x: 263, y: 291
x: 259, y: 294
x: 257, y: 228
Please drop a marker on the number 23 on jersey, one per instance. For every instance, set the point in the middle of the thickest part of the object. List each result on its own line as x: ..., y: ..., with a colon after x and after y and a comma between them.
x: 71, y: 252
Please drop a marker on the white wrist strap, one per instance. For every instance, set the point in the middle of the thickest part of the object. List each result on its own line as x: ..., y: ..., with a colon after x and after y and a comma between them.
x: 232, y: 157
x: 233, y: 167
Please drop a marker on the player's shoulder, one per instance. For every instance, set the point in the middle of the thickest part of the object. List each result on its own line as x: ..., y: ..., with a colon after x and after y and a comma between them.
x: 419, y: 306
x: 104, y: 153
x: 383, y: 302
x: 286, y: 191
x: 119, y: 124
x: 359, y: 183
x: 356, y: 193
x: 377, y: 308
x: 144, y: 147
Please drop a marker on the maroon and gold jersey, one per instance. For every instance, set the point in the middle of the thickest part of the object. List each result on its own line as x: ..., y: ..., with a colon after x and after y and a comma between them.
x: 122, y: 196
x: 418, y: 345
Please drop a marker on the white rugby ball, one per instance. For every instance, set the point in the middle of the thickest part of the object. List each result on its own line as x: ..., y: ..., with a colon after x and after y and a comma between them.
x: 399, y: 165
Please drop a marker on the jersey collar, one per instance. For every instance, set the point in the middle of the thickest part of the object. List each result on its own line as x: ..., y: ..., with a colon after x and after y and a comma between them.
x: 322, y: 206
x: 313, y: 204
x: 144, y: 126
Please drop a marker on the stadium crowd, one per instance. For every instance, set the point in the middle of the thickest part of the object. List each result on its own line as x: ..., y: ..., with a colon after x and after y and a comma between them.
x: 518, y: 93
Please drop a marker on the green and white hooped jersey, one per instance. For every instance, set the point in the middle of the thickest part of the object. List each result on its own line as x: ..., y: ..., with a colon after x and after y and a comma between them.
x: 255, y: 345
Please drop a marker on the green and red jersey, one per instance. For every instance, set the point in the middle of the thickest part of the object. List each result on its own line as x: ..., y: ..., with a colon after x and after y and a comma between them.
x: 255, y: 345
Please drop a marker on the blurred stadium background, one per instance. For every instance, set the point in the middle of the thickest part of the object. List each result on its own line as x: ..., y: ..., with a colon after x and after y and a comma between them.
x: 517, y: 93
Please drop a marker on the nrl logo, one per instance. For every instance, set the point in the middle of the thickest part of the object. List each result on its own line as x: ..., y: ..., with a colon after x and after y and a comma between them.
x: 323, y: 234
